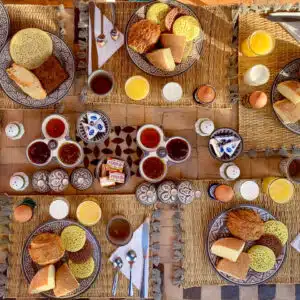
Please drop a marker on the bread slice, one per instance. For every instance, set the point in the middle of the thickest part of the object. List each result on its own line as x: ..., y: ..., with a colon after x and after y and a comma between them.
x: 287, y: 111
x: 43, y: 280
x: 176, y: 43
x: 238, y: 269
x: 43, y: 239
x: 65, y: 282
x: 229, y: 248
x: 27, y: 81
x: 290, y: 89
x: 162, y: 59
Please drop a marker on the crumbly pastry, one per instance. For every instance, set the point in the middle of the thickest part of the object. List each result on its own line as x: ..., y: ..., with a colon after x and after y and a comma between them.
x: 245, y: 224
x: 82, y: 255
x: 83, y: 270
x: 262, y: 258
x: 272, y: 242
x: 73, y: 238
x: 278, y: 229
x: 30, y: 47
x: 143, y: 35
x: 157, y: 13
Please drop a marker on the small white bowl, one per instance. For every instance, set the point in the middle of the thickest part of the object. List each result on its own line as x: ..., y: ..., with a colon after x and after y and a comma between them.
x: 80, y: 159
x: 28, y: 157
x: 189, y: 149
x: 55, y: 116
x: 104, y: 73
x: 138, y: 137
x: 151, y: 179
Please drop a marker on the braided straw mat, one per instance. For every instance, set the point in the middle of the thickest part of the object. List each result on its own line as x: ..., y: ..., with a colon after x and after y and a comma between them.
x: 269, y: 132
x: 111, y: 205
x: 24, y: 16
x: 198, y: 215
x: 211, y: 68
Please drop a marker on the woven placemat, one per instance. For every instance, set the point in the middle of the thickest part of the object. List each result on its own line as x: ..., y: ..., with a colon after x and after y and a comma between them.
x: 211, y: 68
x: 24, y: 16
x: 111, y: 205
x: 200, y: 213
x: 269, y: 132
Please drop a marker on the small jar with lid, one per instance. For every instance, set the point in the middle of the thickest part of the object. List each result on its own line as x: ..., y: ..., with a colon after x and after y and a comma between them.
x: 81, y: 179
x: 247, y: 190
x: 205, y: 94
x: 167, y: 192
x: 204, y: 127
x: 186, y: 193
x: 19, y: 181
x: 229, y: 171
x: 58, y: 180
x: 14, y: 130
x: 146, y: 193
x: 40, y: 181
x: 221, y: 192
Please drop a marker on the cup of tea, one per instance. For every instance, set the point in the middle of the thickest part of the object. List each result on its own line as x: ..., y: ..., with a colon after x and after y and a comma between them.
x: 149, y: 137
x: 55, y: 126
x: 290, y: 168
x: 70, y: 154
x: 101, y: 82
x: 119, y: 231
x: 153, y: 168
x: 178, y: 149
x: 38, y: 153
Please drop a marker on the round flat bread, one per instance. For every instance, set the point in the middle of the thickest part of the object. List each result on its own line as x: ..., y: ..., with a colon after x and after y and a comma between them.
x: 278, y: 229
x: 73, y: 238
x: 30, y: 47
x: 262, y: 259
x: 83, y: 270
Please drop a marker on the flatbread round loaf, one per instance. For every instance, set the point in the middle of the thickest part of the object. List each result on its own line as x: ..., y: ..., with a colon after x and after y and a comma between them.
x: 30, y: 47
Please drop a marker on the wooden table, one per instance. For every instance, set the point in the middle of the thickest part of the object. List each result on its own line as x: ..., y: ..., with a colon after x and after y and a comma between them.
x: 201, y: 165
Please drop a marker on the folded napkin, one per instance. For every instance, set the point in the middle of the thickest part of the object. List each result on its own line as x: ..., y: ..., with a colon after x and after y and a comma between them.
x: 137, y: 270
x: 293, y: 29
x: 111, y: 46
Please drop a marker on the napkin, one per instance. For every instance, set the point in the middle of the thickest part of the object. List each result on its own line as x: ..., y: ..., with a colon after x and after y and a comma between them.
x: 111, y: 46
x: 293, y: 29
x: 137, y: 270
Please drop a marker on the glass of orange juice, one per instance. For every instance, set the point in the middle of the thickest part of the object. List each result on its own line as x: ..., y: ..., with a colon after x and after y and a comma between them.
x: 137, y: 88
x: 259, y: 43
x: 280, y: 190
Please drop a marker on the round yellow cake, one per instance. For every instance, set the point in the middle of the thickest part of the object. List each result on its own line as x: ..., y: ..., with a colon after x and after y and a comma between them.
x: 187, y: 26
x: 30, y: 47
x: 262, y: 258
x: 83, y: 270
x: 73, y: 238
x: 157, y: 14
x: 278, y: 229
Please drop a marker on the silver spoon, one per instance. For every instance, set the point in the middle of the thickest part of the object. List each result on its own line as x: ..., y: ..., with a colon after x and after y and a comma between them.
x: 114, y: 33
x: 118, y: 264
x: 131, y: 258
x: 101, y: 38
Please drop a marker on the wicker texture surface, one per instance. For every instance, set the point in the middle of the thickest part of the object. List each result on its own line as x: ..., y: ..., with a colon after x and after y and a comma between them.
x: 217, y: 27
x: 111, y: 205
x: 25, y: 16
x: 197, y: 218
x: 269, y: 132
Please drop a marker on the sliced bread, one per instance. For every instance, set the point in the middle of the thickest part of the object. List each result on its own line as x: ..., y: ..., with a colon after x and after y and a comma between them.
x: 290, y: 89
x: 287, y: 111
x: 176, y: 43
x: 162, y: 59
x: 43, y: 280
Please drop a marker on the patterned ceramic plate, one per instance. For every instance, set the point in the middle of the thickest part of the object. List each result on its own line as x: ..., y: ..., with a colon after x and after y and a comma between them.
x: 290, y: 72
x: 64, y: 55
x: 219, y: 230
x: 142, y: 62
x: 29, y: 268
x: 4, y: 25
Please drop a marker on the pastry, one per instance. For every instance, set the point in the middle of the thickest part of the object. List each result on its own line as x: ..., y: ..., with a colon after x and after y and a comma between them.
x: 43, y: 280
x: 229, y: 248
x: 287, y: 111
x: 272, y: 242
x: 65, y: 282
x: 30, y: 47
x: 238, y: 269
x: 27, y: 81
x: 82, y: 255
x: 262, y: 258
x: 176, y: 43
x: 73, y: 238
x: 171, y: 16
x: 143, y: 35
x: 46, y: 250
x: 187, y: 26
x: 82, y: 270
x: 290, y: 89
x: 157, y: 13
x: 162, y: 59
x: 245, y: 224
x: 51, y: 74
x: 278, y: 229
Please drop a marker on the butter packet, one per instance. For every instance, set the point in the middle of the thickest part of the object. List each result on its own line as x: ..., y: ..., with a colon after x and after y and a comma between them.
x: 114, y: 164
x: 117, y: 177
x: 90, y: 131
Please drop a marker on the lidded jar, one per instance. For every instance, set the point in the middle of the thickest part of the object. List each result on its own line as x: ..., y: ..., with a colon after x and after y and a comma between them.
x: 146, y: 193
x: 167, y: 192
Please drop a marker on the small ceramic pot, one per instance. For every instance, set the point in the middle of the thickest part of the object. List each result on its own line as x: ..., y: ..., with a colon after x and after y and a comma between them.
x: 58, y: 180
x: 81, y: 179
x: 40, y: 181
x: 146, y: 193
x: 167, y: 192
x: 186, y: 192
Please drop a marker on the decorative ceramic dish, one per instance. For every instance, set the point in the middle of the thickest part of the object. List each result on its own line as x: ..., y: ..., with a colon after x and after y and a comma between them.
x: 4, y: 25
x: 290, y: 71
x: 140, y: 60
x: 29, y: 268
x: 218, y: 229
x: 62, y: 52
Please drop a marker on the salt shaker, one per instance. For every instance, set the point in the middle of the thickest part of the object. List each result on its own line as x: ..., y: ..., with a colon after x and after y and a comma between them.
x: 167, y: 192
x: 58, y: 180
x: 146, y: 193
x: 186, y: 192
x: 229, y: 171
x: 40, y: 181
x: 204, y: 127
x: 82, y: 179
x: 19, y: 181
x: 14, y: 130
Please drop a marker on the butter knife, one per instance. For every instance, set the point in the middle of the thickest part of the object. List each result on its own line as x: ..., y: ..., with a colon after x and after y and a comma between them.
x: 145, y: 246
x: 284, y: 17
x: 94, y: 53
